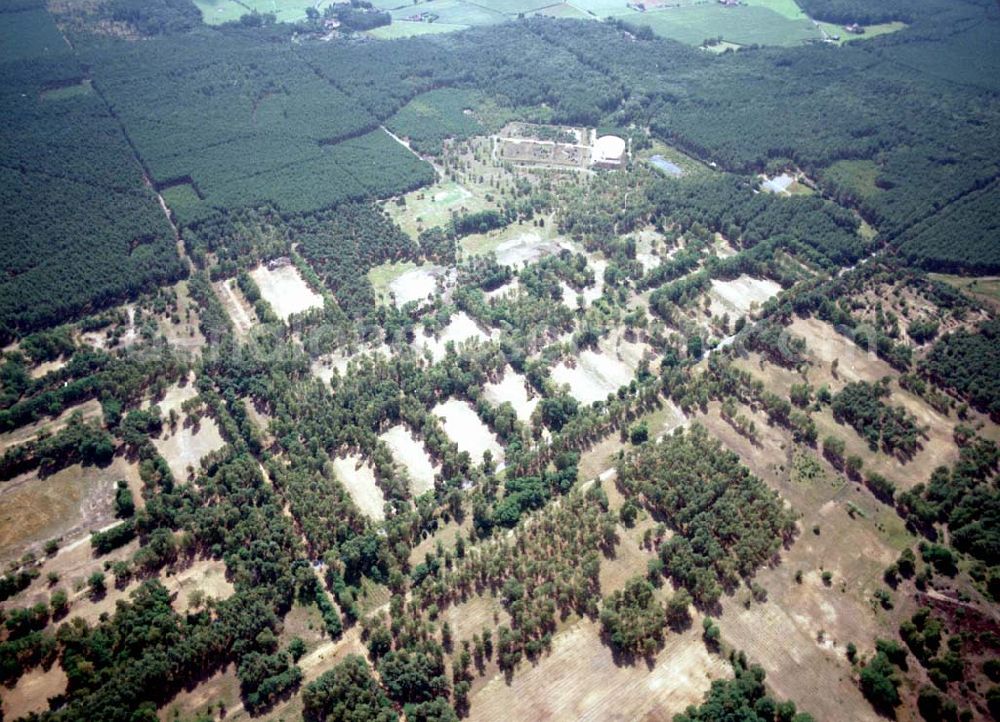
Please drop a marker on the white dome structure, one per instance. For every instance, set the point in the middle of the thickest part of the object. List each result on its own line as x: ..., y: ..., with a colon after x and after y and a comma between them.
x: 608, y: 152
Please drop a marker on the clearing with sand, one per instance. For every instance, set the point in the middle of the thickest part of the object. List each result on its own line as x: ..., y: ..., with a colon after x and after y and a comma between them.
x: 207, y: 576
x: 579, y: 680
x: 358, y: 477
x: 70, y: 502
x: 512, y: 388
x: 460, y: 328
x: 88, y: 410
x: 188, y: 445
x: 467, y: 430
x: 285, y: 290
x: 592, y: 376
x: 410, y: 284
x: 412, y: 455
x: 236, y: 306
x: 741, y: 295
x: 32, y: 692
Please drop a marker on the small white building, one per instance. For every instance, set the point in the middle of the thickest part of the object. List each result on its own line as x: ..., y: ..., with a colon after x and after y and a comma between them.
x: 608, y: 152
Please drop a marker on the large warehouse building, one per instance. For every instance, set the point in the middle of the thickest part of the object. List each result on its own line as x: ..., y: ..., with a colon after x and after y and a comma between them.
x: 608, y: 152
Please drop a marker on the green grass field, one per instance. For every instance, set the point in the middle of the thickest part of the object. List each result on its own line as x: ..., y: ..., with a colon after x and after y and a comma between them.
x: 452, y: 12
x: 69, y: 91
x: 405, y: 29
x: 871, y: 31
x: 743, y: 25
x: 603, y: 8
x: 563, y: 10
x: 216, y: 12
x: 786, y: 8
x: 858, y: 175
x: 433, y: 206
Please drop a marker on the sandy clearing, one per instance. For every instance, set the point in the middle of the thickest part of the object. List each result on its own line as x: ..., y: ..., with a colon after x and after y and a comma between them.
x: 174, y: 397
x: 579, y: 680
x: 236, y: 306
x: 411, y: 454
x: 88, y: 409
x: 285, y: 290
x: 826, y: 345
x: 460, y: 328
x: 33, y: 690
x: 630, y: 353
x: 512, y: 387
x: 324, y: 366
x: 47, y: 367
x: 415, y: 285
x: 591, y: 293
x: 358, y: 477
x: 779, y: 184
x: 525, y: 248
x: 741, y: 295
x: 188, y: 445
x: 205, y: 575
x: 467, y: 430
x: 592, y: 376
x: 68, y: 503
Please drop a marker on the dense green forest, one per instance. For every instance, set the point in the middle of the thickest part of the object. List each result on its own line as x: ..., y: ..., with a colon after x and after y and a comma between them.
x: 237, y: 116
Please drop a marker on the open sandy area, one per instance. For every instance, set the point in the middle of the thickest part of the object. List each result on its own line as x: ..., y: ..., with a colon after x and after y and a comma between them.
x: 412, y: 455
x: 285, y: 290
x: 513, y: 388
x: 358, y: 477
x: 467, y: 430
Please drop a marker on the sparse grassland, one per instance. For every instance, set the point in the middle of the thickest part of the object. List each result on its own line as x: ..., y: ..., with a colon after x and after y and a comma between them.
x: 985, y: 289
x: 70, y: 502
x: 434, y: 206
x: 579, y: 679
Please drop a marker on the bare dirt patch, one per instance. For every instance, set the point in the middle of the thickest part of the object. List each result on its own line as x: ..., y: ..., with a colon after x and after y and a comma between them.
x: 513, y: 388
x: 415, y: 285
x: 467, y: 430
x: 358, y: 477
x: 525, y: 248
x: 188, y: 445
x: 88, y: 409
x: 826, y: 345
x: 236, y: 306
x: 207, y: 576
x: 285, y: 290
x: 33, y: 690
x: 412, y: 455
x: 47, y: 367
x: 68, y: 503
x: 579, y: 680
